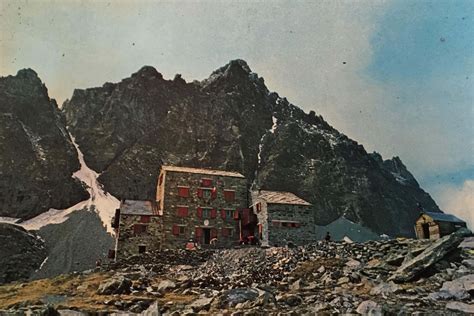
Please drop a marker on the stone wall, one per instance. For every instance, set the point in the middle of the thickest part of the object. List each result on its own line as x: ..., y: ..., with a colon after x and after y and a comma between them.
x: 194, y: 222
x: 129, y: 240
x: 282, y: 223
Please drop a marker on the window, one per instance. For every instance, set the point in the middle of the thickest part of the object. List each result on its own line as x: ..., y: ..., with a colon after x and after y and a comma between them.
x: 227, y: 214
x: 205, y: 182
x: 259, y: 207
x: 277, y: 223
x: 160, y: 182
x: 182, y: 211
x: 145, y: 218
x: 178, y: 230
x: 183, y: 191
x: 139, y: 229
x: 229, y: 195
x: 141, y: 249
x: 207, y: 193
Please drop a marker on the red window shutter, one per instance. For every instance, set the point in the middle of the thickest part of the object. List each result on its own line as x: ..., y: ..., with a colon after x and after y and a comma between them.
x: 236, y: 214
x: 229, y: 195
x: 223, y: 214
x: 199, y: 193
x: 144, y: 219
x: 183, y: 192
x: 175, y: 230
x: 182, y: 211
x: 206, y: 182
x: 198, y: 231
x: 199, y: 212
x: 214, y: 193
x: 213, y: 213
x: 213, y: 233
x: 259, y: 207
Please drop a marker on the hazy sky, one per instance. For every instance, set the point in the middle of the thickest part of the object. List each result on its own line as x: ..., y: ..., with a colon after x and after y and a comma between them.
x: 396, y: 76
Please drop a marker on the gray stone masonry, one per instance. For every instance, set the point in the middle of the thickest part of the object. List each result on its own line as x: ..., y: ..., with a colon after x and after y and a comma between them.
x: 202, y: 212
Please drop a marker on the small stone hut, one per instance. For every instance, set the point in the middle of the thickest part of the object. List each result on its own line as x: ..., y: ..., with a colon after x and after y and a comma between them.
x: 138, y: 226
x: 434, y: 225
x: 283, y: 217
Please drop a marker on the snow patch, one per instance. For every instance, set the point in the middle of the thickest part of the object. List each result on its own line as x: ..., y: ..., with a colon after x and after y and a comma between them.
x: 274, y: 126
x: 101, y: 202
x: 104, y: 203
x: 399, y: 178
x: 9, y: 220
x: 42, y: 264
x: 330, y: 137
x: 35, y: 142
x: 53, y: 216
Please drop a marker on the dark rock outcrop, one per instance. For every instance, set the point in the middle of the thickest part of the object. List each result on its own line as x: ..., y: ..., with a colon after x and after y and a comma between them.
x: 231, y: 121
x: 37, y: 157
x: 21, y: 253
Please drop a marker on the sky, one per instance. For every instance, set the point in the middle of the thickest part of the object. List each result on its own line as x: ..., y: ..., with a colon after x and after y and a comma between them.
x: 397, y: 76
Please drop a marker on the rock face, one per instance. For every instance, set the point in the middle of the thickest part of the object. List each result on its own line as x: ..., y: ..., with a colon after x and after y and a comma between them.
x: 127, y: 130
x: 21, y: 253
x: 37, y: 158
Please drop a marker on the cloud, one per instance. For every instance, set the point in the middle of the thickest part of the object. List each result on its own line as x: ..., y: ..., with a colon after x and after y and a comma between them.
x: 458, y: 200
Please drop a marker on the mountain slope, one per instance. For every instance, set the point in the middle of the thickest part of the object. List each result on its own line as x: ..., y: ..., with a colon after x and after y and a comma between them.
x: 37, y: 158
x: 231, y: 121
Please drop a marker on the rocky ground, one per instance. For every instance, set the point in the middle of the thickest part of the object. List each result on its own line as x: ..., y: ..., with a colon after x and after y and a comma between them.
x: 392, y: 277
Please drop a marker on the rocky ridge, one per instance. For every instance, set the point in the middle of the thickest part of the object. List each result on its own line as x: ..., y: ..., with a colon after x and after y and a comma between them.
x: 37, y: 157
x: 22, y: 253
x: 231, y: 121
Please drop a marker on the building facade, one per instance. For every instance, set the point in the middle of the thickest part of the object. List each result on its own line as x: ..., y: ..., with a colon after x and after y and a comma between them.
x: 434, y: 225
x: 282, y: 218
x: 202, y: 205
x: 138, y: 226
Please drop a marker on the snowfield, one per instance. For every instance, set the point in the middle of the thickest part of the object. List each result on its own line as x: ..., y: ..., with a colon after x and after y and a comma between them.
x: 101, y: 202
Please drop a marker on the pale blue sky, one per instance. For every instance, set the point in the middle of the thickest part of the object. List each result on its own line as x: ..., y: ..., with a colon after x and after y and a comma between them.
x: 394, y: 75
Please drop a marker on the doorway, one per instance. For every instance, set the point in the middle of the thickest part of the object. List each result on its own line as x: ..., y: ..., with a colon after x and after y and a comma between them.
x: 207, y: 235
x: 426, y: 230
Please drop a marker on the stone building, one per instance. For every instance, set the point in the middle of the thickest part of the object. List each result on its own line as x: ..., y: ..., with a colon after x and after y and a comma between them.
x: 434, y: 225
x: 283, y: 217
x: 202, y: 204
x: 138, y: 226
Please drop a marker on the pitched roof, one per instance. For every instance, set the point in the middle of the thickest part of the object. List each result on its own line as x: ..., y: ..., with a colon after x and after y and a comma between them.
x: 278, y: 197
x: 442, y: 217
x: 211, y: 172
x: 135, y: 207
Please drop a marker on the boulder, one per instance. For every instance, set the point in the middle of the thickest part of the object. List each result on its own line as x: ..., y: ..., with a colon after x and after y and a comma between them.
x: 201, y: 304
x: 461, y: 307
x: 413, y: 268
x: 457, y: 289
x: 369, y: 308
x: 166, y: 285
x: 116, y: 285
x: 233, y: 297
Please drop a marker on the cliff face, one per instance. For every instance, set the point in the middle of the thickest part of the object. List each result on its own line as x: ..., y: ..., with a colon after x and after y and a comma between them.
x: 231, y: 121
x: 37, y: 158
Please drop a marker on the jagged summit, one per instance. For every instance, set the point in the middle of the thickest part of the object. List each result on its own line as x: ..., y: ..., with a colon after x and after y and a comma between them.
x: 27, y: 73
x: 148, y: 72
x: 230, y: 121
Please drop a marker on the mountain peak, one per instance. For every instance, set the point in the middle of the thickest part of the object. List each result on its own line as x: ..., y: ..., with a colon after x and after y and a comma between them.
x: 148, y: 72
x: 27, y: 73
